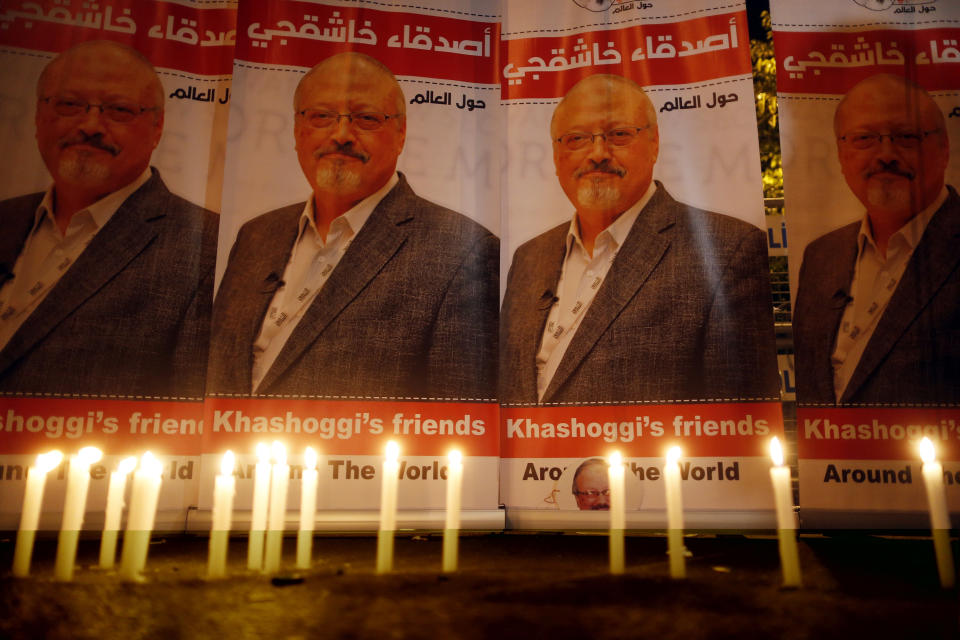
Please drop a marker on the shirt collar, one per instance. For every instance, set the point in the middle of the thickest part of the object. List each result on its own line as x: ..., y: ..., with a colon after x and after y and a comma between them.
x: 100, y: 211
x: 910, y: 232
x: 355, y: 217
x: 619, y: 229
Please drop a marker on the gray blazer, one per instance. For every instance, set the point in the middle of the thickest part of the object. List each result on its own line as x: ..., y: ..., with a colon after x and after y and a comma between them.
x: 913, y: 356
x: 684, y: 314
x: 131, y: 317
x: 409, y: 312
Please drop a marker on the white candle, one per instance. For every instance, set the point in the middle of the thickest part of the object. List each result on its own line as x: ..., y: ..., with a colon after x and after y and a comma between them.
x: 786, y: 524
x: 451, y: 529
x: 114, y: 511
x: 223, y: 491
x: 258, y: 517
x: 74, y: 508
x: 618, y: 515
x: 280, y: 479
x: 308, y: 508
x: 388, y: 508
x: 143, y: 510
x: 30, y: 512
x: 671, y: 477
x: 939, y: 517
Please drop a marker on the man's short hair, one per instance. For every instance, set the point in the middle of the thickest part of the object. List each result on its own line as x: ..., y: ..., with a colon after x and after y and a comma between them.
x: 136, y: 56
x: 360, y: 58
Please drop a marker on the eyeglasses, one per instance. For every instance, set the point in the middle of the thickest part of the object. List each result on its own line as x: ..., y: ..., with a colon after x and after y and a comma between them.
x: 366, y: 120
x: 593, y: 493
x: 902, y: 139
x: 115, y: 111
x: 619, y: 137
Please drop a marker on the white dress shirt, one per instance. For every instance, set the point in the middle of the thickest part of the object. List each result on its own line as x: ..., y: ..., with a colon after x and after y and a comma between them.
x: 47, y: 254
x: 875, y: 278
x: 311, y: 262
x: 580, y: 278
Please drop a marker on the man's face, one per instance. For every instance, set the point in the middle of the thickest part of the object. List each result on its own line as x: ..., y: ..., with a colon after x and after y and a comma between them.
x: 344, y: 159
x: 887, y: 177
x: 91, y: 152
x: 601, y: 177
x: 592, y: 489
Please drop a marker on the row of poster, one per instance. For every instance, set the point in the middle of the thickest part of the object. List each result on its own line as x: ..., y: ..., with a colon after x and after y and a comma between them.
x: 531, y: 231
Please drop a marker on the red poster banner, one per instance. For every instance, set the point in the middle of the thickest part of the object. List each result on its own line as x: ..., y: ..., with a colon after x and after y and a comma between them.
x: 877, y: 434
x: 354, y: 427
x: 192, y: 39
x: 830, y: 62
x: 688, y: 51
x: 702, y: 429
x: 462, y: 47
x: 117, y: 427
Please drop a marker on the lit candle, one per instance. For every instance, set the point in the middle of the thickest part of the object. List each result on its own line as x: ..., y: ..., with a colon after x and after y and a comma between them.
x: 30, y: 513
x: 388, y: 508
x: 618, y: 514
x: 224, y: 488
x: 308, y: 508
x: 114, y: 512
x: 143, y: 510
x: 786, y: 524
x: 74, y: 507
x: 258, y: 518
x: 671, y: 477
x: 939, y: 517
x: 280, y: 479
x: 451, y: 530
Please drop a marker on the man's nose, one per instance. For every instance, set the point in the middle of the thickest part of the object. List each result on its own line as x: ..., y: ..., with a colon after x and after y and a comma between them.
x: 343, y: 131
x: 886, y: 150
x: 599, y: 149
x: 93, y: 121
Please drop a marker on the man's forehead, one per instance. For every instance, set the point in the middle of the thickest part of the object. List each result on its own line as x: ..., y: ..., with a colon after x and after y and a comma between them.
x: 355, y: 82
x: 94, y: 69
x: 885, y: 102
x: 610, y: 104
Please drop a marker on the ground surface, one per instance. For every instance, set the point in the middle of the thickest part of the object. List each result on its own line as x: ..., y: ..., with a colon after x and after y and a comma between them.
x: 509, y: 586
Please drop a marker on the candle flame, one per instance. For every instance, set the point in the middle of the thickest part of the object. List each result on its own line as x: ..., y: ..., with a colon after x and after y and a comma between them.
x: 927, y: 453
x: 89, y: 455
x: 226, y: 464
x: 616, y: 459
x: 393, y: 451
x: 279, y: 452
x: 455, y: 457
x: 127, y: 465
x: 263, y: 453
x: 776, y: 451
x: 47, y: 462
x: 673, y: 455
x: 310, y: 458
x: 150, y: 464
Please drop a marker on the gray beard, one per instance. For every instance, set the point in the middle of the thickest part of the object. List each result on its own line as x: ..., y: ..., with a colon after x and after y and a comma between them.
x: 597, y: 193
x: 893, y: 195
x: 338, y: 177
x: 82, y: 168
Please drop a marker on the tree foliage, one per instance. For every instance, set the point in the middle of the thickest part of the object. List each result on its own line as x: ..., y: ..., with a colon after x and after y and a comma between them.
x: 765, y: 90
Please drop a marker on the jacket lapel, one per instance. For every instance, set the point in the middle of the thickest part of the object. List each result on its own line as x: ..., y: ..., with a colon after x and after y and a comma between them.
x: 934, y: 259
x: 126, y: 234
x: 380, y: 238
x: 538, y: 298
x: 643, y: 249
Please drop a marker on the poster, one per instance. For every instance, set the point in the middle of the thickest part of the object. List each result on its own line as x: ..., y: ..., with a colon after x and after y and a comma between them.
x: 868, y: 105
x: 647, y: 321
x: 358, y: 266
x: 106, y: 318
